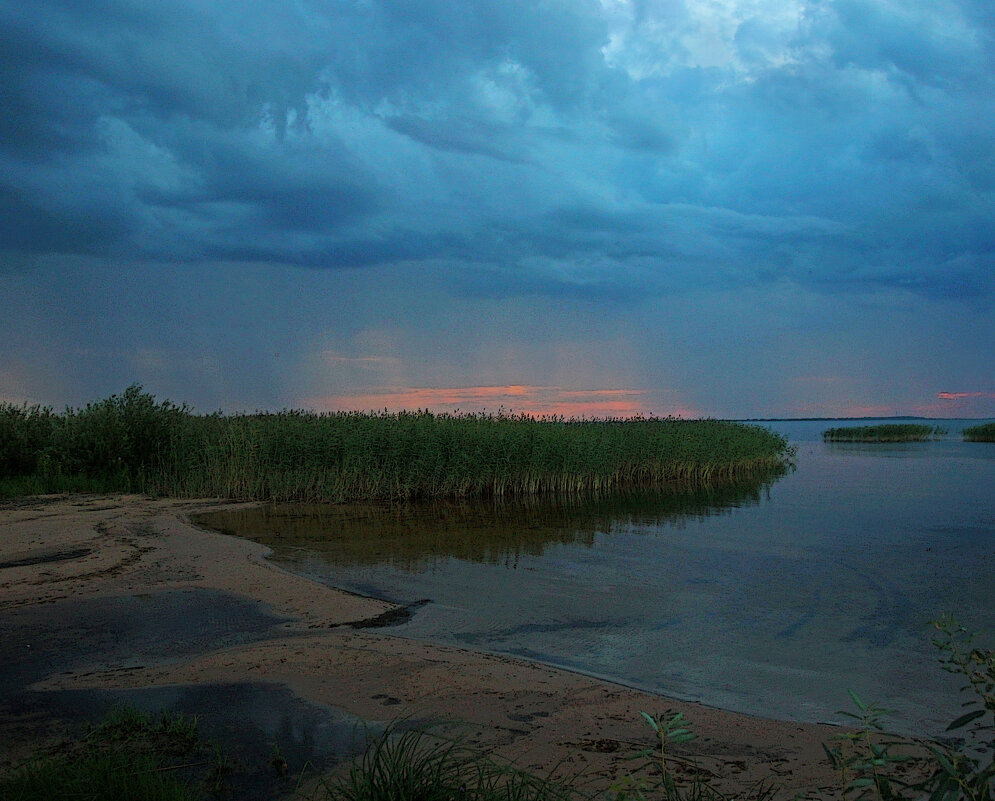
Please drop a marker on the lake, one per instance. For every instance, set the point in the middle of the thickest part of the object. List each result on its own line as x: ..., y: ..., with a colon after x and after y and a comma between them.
x: 772, y: 599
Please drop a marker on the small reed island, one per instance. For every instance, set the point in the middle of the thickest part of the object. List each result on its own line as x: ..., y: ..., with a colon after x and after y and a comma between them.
x: 981, y: 433
x: 890, y: 432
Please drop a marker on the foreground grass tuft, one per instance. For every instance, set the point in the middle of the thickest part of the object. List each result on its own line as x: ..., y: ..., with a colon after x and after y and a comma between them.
x: 130, y: 756
x: 96, y: 776
x: 416, y: 765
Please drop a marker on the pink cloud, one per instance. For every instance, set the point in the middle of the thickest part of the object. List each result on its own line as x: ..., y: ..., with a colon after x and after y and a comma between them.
x: 517, y: 398
x: 963, y: 395
x: 330, y: 357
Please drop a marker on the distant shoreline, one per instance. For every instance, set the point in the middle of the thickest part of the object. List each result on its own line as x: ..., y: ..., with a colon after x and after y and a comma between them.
x: 828, y: 419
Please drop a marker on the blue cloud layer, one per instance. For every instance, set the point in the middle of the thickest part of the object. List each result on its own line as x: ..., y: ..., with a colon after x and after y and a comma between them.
x: 646, y: 146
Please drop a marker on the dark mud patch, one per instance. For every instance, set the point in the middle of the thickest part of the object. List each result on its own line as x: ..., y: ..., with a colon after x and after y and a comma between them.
x: 121, y: 633
x: 47, y: 558
x: 392, y: 617
x: 268, y: 736
x: 31, y: 501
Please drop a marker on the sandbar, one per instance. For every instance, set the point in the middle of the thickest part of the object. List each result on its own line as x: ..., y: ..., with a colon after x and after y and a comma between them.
x: 214, y: 610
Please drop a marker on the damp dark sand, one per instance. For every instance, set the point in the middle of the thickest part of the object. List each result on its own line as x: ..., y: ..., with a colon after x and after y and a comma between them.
x: 104, y: 599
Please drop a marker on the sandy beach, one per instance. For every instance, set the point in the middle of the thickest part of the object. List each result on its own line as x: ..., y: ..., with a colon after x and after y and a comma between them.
x: 214, y: 610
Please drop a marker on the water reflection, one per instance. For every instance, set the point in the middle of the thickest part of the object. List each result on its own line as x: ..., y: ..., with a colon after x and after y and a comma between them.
x: 910, y: 450
x: 412, y: 536
x: 773, y: 607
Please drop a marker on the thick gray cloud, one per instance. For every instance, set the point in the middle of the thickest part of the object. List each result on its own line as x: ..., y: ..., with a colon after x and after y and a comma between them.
x: 341, y: 134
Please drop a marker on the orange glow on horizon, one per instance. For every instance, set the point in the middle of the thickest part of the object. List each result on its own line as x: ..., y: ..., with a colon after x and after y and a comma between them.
x: 537, y: 401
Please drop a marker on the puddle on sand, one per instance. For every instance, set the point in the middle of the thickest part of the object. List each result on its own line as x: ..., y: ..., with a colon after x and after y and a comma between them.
x: 247, y: 720
x: 123, y: 632
x: 120, y: 633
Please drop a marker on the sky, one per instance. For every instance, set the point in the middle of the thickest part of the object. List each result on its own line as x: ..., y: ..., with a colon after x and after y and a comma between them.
x: 723, y: 208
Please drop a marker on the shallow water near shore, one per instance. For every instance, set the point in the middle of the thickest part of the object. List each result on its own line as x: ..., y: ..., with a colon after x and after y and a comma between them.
x: 772, y: 599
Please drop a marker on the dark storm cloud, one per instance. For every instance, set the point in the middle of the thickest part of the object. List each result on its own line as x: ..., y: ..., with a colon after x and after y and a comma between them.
x: 72, y: 62
x: 914, y: 41
x: 567, y: 147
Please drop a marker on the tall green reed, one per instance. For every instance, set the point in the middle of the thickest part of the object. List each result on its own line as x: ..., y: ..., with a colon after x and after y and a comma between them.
x: 886, y: 432
x: 132, y: 443
x: 985, y: 432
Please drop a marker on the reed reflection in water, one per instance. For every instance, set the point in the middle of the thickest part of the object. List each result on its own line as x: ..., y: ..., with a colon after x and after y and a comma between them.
x: 413, y: 536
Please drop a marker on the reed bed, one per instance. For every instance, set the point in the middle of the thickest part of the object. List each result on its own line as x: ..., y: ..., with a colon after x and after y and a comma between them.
x: 133, y: 443
x: 980, y: 433
x: 890, y: 432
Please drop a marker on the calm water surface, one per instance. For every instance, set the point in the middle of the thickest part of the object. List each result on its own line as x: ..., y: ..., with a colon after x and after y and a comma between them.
x: 771, y: 600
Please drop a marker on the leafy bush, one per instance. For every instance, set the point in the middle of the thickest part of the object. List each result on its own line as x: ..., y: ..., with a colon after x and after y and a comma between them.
x: 25, y: 433
x: 871, y: 759
x: 125, y: 436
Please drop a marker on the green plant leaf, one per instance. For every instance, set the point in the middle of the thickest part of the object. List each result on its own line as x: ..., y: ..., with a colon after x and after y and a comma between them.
x: 833, y: 756
x: 939, y: 793
x: 963, y: 720
x: 944, y: 763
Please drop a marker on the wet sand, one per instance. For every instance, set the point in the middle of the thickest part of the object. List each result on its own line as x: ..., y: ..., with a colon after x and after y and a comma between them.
x: 123, y: 593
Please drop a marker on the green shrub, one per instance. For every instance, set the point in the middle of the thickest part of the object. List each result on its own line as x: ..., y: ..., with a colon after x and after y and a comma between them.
x: 124, y: 437
x: 25, y: 434
x: 871, y: 759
